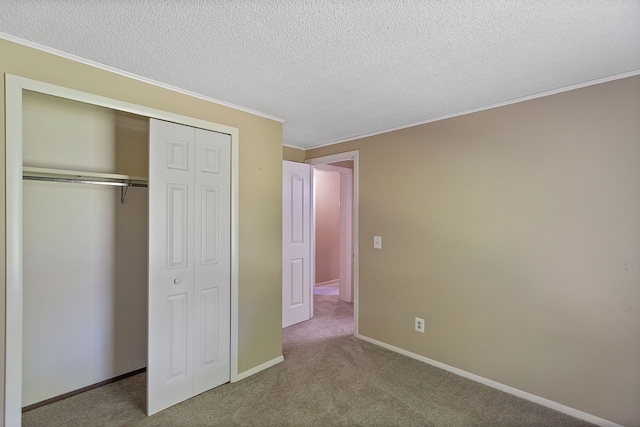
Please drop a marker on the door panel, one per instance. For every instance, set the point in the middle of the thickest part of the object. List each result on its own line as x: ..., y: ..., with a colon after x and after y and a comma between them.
x: 189, y: 263
x: 177, y: 200
x: 296, y: 198
x: 213, y: 253
x: 210, y: 225
x: 177, y: 323
x: 209, y: 329
x: 297, y: 269
x: 171, y: 277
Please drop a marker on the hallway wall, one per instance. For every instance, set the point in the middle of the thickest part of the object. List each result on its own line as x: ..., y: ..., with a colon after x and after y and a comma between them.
x: 327, y: 211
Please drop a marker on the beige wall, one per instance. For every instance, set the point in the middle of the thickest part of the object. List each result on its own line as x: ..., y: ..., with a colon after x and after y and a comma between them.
x: 515, y: 233
x: 260, y: 176
x: 344, y: 164
x: 292, y: 154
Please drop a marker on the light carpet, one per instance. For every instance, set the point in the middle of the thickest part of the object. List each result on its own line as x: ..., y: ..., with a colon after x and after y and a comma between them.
x: 328, y: 378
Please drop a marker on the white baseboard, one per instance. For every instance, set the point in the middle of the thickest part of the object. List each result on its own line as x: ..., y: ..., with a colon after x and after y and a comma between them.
x: 328, y: 282
x: 257, y: 369
x: 502, y: 387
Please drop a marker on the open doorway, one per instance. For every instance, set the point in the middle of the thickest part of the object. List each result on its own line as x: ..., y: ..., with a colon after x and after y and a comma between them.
x: 326, y: 196
x: 333, y: 219
x: 334, y: 229
x: 299, y: 237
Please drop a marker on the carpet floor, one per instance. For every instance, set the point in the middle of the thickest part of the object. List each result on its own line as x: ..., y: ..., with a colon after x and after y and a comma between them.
x: 328, y: 378
x: 326, y: 290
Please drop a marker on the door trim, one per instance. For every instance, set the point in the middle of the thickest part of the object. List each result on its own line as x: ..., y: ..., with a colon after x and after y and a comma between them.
x: 349, y: 155
x: 14, y: 87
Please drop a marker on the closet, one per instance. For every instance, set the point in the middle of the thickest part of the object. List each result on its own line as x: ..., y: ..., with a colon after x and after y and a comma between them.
x: 84, y: 245
x: 126, y: 252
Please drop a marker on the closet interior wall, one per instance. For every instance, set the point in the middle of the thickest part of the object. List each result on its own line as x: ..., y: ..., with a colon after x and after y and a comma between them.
x: 85, y: 252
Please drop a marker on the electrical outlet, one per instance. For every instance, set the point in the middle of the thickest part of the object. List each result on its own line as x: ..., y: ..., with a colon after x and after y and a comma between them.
x: 420, y: 325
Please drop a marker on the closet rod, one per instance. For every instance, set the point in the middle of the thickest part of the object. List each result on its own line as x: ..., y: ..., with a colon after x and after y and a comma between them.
x: 124, y: 183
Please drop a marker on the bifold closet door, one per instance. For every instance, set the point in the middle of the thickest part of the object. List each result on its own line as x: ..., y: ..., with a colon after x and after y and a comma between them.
x: 189, y: 262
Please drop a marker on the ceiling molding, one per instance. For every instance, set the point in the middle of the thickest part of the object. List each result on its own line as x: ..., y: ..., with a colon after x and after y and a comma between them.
x: 114, y: 70
x: 483, y: 108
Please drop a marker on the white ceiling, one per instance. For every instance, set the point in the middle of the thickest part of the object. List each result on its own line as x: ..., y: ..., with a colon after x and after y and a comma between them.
x: 338, y: 69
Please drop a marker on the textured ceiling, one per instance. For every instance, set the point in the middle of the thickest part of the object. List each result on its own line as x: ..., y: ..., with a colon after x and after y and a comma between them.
x: 334, y: 70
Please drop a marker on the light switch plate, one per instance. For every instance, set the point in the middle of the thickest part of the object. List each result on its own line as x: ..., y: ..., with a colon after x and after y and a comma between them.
x: 377, y: 242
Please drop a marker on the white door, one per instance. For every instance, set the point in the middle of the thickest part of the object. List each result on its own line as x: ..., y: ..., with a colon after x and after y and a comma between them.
x: 212, y: 326
x: 296, y: 246
x: 189, y: 264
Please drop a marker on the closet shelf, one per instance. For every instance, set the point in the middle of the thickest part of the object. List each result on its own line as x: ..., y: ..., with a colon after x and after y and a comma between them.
x: 82, y: 177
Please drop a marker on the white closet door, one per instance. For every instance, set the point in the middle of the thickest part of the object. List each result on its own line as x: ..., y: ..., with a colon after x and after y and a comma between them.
x: 189, y: 278
x: 212, y: 325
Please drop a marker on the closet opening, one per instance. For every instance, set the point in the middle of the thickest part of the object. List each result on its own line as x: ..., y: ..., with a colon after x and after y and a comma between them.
x: 85, y: 233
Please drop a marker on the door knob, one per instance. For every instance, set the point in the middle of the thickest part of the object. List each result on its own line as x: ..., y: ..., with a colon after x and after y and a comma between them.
x: 177, y: 281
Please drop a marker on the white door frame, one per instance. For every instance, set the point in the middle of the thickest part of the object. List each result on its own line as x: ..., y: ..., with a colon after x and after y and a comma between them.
x: 354, y: 156
x: 14, y: 87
